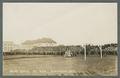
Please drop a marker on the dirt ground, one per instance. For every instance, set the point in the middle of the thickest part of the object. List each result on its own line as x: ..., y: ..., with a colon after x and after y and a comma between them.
x: 44, y: 65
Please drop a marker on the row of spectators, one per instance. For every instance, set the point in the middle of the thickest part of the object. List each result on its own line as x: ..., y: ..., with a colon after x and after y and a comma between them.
x: 107, y: 49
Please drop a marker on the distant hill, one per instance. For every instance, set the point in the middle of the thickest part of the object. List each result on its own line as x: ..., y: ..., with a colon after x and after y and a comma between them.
x: 41, y: 40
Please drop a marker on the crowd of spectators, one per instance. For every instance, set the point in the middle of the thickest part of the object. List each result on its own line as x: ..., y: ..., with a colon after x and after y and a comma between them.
x: 107, y: 49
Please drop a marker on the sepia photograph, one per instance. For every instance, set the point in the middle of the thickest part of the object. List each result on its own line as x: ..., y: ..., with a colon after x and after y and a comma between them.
x: 60, y: 39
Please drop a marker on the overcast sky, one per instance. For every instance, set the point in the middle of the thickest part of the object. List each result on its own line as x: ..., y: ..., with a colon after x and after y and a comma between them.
x: 66, y: 23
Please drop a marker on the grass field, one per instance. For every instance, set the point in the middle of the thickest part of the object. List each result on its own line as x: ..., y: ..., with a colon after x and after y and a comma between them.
x: 59, y: 65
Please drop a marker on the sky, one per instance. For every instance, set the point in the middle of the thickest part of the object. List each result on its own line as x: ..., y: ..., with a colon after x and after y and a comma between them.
x: 66, y: 23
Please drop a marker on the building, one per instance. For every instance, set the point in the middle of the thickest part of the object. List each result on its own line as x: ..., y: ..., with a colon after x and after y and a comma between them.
x: 28, y: 44
x: 9, y: 46
x: 43, y: 42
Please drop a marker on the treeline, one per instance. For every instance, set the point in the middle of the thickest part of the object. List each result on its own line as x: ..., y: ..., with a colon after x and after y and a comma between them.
x: 107, y: 49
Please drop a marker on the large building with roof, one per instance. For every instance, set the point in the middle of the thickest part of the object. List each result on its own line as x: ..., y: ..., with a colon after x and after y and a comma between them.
x: 43, y: 42
x: 28, y: 44
x: 9, y: 46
